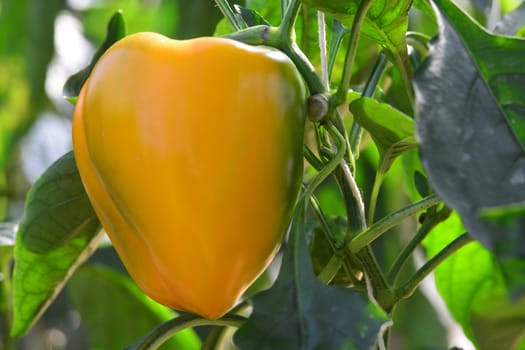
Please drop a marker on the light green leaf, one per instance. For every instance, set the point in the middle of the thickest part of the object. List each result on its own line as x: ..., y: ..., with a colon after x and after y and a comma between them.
x: 117, y: 313
x: 386, y: 22
x: 391, y: 129
x: 473, y: 287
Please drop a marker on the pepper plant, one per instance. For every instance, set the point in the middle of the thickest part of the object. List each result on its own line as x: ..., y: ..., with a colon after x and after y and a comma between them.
x: 440, y: 115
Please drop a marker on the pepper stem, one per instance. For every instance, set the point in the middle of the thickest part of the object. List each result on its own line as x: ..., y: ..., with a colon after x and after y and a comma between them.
x: 165, y: 331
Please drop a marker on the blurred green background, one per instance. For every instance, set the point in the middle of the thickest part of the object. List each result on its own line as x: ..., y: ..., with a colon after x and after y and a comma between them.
x: 43, y: 42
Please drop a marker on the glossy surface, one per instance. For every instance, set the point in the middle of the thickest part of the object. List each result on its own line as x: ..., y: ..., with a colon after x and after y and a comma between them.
x: 191, y: 153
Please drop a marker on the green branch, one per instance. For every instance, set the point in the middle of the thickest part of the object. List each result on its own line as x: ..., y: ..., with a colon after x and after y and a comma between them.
x: 286, y: 28
x: 332, y: 164
x: 430, y: 222
x: 359, y: 19
x: 165, y: 331
x: 377, y: 229
x: 370, y: 87
x: 409, y: 288
x: 233, y: 18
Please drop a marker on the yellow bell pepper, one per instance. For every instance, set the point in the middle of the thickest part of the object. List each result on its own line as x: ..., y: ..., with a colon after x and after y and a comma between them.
x: 191, y: 154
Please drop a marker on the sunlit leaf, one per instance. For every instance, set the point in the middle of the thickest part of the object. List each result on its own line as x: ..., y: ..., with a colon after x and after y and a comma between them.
x: 386, y: 22
x: 474, y: 289
x: 391, y: 130
x: 59, y: 231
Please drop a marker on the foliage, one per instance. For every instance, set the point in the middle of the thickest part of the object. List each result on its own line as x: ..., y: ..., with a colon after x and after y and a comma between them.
x: 414, y: 142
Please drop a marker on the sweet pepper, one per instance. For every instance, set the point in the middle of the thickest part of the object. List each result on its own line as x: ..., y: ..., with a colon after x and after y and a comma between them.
x: 191, y: 154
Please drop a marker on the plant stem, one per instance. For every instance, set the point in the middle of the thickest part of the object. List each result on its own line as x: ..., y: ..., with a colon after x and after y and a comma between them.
x: 272, y: 36
x: 316, y: 208
x: 161, y: 334
x: 312, y: 158
x: 286, y: 28
x: 331, y: 269
x: 233, y: 18
x: 338, y: 32
x: 358, y: 200
x: 370, y: 87
x: 408, y: 289
x: 307, y: 70
x: 378, y: 180
x: 322, y: 48
x: 377, y: 229
x: 332, y: 164
x: 429, y: 223
x: 340, y: 96
x: 219, y: 336
x: 378, y: 282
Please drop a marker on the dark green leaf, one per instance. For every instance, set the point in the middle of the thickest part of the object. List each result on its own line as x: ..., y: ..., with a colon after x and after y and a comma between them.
x: 474, y: 289
x: 58, y: 231
x: 115, y: 31
x: 422, y: 185
x: 391, y: 130
x: 322, y: 249
x: 468, y: 148
x: 57, y: 209
x: 106, y: 299
x: 512, y: 22
x: 251, y: 17
x: 498, y: 59
x: 300, y: 312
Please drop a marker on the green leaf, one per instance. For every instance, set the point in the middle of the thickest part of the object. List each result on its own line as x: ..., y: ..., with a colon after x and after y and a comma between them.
x: 106, y: 299
x: 499, y: 60
x: 386, y: 22
x: 510, y: 219
x: 425, y: 7
x: 474, y: 289
x: 251, y: 17
x: 300, y: 312
x: 116, y: 30
x: 422, y: 185
x: 58, y: 232
x: 468, y: 146
x: 322, y: 248
x: 391, y: 130
x: 254, y: 12
x: 270, y: 10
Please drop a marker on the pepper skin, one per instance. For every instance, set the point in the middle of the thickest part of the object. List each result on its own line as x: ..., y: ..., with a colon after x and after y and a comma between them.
x: 191, y: 154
